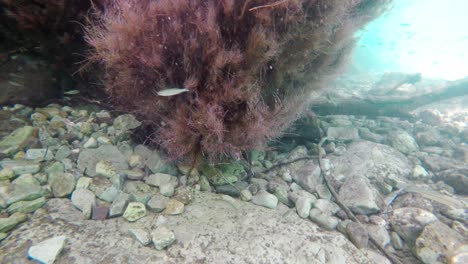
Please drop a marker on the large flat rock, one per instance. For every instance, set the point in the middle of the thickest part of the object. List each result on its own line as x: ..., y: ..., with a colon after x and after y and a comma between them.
x: 211, y: 230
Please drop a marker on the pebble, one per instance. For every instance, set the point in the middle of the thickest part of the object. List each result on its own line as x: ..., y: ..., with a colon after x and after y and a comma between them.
x: 174, y: 207
x: 90, y: 143
x: 162, y: 237
x: 47, y: 251
x: 397, y: 242
x: 303, y: 206
x: 119, y: 204
x: 39, y: 154
x: 6, y: 174
x: 246, y: 195
x: 135, y: 174
x: 106, y: 169
x: 358, y: 234
x: 157, y: 203
x: 323, y: 220
x: 265, y: 199
x: 167, y: 189
x: 84, y: 200
x: 100, y: 212
x: 141, y: 235
x: 158, y: 179
x: 408, y: 222
x: 184, y: 195
x: 134, y: 211
x: 26, y: 206
x: 62, y: 184
x: 7, y: 224
x: 136, y: 161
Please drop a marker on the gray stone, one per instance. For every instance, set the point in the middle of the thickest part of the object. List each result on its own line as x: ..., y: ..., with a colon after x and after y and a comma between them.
x: 326, y: 206
x: 62, y: 184
x: 308, y: 176
x: 402, y: 141
x: 162, y: 237
x: 104, y: 188
x: 157, y: 203
x: 246, y: 195
x: 134, y: 211
x: 460, y: 214
x: 261, y: 183
x: 135, y: 174
x: 358, y: 234
x: 88, y: 159
x: 126, y: 122
x: 26, y: 206
x: 17, y: 140
x: 91, y: 143
x: 347, y: 133
x: 438, y: 244
x: 24, y: 188
x: 55, y: 167
x: 7, y: 224
x: 119, y: 204
x: 139, y: 191
x: 303, y: 206
x: 158, y: 179
x: 359, y: 196
x: 419, y: 172
x: 84, y: 200
x: 167, y: 189
x: 266, y: 199
x: 323, y: 191
x: 283, y: 197
x: 174, y: 207
x: 136, y: 161
x: 232, y: 189
x: 6, y: 174
x: 323, y: 220
x: 397, y: 242
x: 204, y: 184
x: 409, y: 222
x: 380, y: 234
x: 63, y: 152
x: 456, y: 178
x: 39, y: 154
x: 103, y: 140
x: 83, y: 182
x: 375, y: 257
x: 106, y: 169
x: 141, y: 235
x: 21, y: 166
x: 47, y: 251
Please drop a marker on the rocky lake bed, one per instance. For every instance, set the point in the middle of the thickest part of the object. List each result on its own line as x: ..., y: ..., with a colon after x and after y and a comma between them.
x: 75, y: 188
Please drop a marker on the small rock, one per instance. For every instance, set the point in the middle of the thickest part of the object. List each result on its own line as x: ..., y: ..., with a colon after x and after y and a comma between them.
x: 17, y: 140
x: 397, y: 242
x: 6, y: 174
x: 62, y: 184
x: 91, y: 143
x: 126, y: 122
x: 439, y: 244
x: 174, y: 207
x: 326, y: 206
x: 141, y: 235
x: 20, y: 167
x: 246, y: 195
x: 139, y: 191
x: 158, y: 179
x: 63, y: 152
x: 104, y: 140
x: 7, y: 224
x: 23, y: 188
x: 283, y: 197
x: 232, y: 189
x: 88, y: 158
x: 419, y: 172
x: 204, y: 184
x: 84, y: 200
x: 408, y: 222
x: 162, y: 237
x: 402, y: 141
x: 39, y: 154
x: 346, y: 133
x: 184, y: 195
x: 323, y: 192
x: 359, y: 195
x: 136, y: 161
x: 323, y: 220
x: 26, y: 206
x: 134, y: 211
x: 167, y: 189
x: 303, y: 206
x: 265, y: 199
x: 135, y: 174
x: 119, y: 204
x: 357, y: 234
x: 457, y: 214
x: 106, y: 169
x: 379, y: 234
x: 47, y: 251
x: 83, y: 182
x: 103, y: 188
x: 158, y: 203
x: 100, y: 212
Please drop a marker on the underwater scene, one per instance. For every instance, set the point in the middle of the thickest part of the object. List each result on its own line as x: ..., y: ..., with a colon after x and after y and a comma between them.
x: 234, y: 131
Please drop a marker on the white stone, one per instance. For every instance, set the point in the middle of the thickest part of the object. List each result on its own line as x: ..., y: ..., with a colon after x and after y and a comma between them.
x: 47, y: 251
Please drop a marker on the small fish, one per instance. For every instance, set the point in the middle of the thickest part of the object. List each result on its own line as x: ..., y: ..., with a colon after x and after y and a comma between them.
x: 405, y: 24
x: 15, y: 83
x: 172, y: 91
x: 72, y: 92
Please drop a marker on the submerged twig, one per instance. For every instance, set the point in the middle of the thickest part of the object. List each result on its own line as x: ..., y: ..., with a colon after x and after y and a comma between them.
x: 281, y: 164
x: 350, y: 214
x: 269, y: 5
